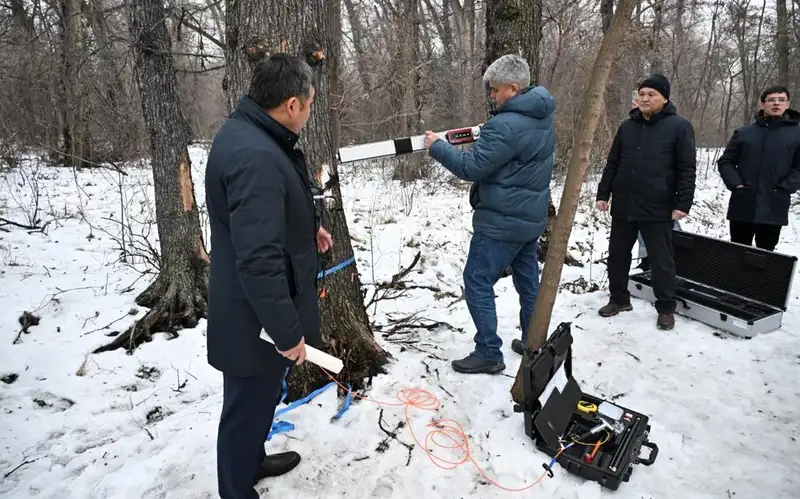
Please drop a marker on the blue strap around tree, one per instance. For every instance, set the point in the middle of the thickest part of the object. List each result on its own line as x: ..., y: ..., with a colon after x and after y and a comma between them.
x: 336, y: 268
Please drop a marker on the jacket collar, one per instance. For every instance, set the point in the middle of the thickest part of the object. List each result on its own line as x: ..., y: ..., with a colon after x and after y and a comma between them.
x: 790, y: 117
x: 249, y: 111
x: 668, y: 109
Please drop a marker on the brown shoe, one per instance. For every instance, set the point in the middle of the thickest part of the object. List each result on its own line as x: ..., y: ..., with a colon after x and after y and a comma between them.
x: 665, y: 321
x: 613, y: 308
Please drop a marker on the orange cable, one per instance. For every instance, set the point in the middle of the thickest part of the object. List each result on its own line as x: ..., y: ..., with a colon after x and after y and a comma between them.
x: 445, y: 428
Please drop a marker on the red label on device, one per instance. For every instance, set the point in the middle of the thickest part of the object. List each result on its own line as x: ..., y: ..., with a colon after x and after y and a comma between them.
x: 460, y: 136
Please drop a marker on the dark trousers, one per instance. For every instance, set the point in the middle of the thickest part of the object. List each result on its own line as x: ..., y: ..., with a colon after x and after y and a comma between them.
x: 248, y: 408
x: 486, y: 261
x: 766, y: 236
x: 657, y: 238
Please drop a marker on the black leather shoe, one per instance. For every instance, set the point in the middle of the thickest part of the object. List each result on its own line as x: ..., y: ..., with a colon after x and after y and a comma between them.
x: 517, y: 346
x: 277, y: 464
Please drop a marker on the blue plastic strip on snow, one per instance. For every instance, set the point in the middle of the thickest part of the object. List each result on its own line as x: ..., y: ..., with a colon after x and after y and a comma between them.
x: 285, y: 426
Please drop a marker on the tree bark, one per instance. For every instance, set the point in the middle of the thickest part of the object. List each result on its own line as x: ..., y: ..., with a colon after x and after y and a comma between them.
x: 255, y: 29
x: 75, y: 125
x: 178, y: 297
x: 515, y: 27
x: 782, y: 42
x: 576, y: 172
x: 654, y: 43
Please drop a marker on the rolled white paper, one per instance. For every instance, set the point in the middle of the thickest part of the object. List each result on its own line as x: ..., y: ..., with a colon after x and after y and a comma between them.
x: 315, y: 356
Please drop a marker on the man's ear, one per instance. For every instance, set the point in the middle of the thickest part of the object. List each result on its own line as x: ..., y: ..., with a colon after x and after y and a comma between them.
x: 292, y: 105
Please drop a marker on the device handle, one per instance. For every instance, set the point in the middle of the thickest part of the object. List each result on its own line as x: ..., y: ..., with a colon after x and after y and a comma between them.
x: 653, y: 454
x: 315, y: 356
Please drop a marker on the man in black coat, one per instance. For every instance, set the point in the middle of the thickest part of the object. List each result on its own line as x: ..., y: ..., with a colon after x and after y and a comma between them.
x: 650, y: 179
x: 761, y: 168
x: 264, y: 242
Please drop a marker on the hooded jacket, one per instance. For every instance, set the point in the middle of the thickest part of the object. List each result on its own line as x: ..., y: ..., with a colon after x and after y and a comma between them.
x: 511, y: 165
x: 764, y: 157
x: 651, y: 167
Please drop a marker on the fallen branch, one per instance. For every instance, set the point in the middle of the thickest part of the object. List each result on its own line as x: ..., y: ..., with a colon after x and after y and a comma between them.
x: 392, y: 434
x: 414, y: 322
x: 24, y: 462
x: 130, y: 312
x: 397, y: 278
x: 396, y: 283
x: 6, y: 221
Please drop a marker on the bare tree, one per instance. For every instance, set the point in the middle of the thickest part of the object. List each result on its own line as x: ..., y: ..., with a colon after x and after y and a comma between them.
x: 782, y: 42
x: 177, y: 298
x: 576, y: 171
x: 256, y: 28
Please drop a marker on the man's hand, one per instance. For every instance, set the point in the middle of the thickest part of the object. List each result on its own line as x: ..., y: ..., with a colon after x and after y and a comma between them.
x: 602, y: 205
x: 324, y: 240
x: 678, y: 215
x: 297, y: 353
x: 430, y: 138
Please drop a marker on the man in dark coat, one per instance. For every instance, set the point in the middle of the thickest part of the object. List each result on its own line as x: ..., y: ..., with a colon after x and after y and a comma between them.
x: 761, y: 168
x: 264, y: 242
x: 650, y: 179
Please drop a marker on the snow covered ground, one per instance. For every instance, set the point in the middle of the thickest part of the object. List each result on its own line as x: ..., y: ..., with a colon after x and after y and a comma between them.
x: 724, y: 410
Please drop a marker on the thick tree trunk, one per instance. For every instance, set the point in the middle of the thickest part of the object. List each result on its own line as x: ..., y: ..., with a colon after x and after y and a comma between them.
x: 544, y: 240
x: 576, y: 173
x: 255, y: 29
x: 178, y: 297
x: 411, y: 167
x: 515, y: 27
x: 75, y: 126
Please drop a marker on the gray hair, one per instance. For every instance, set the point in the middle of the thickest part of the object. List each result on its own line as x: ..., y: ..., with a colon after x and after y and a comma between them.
x: 508, y: 70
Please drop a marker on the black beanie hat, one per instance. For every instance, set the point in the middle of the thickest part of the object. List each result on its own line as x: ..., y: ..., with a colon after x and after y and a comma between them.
x: 657, y: 82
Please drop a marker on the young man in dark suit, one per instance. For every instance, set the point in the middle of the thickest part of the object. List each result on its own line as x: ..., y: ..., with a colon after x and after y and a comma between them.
x: 761, y: 168
x: 264, y: 241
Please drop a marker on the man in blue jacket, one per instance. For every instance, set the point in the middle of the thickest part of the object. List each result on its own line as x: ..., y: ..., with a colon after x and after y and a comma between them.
x: 510, y: 166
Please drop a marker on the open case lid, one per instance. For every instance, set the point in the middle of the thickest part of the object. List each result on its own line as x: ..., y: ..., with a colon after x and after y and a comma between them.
x: 754, y: 273
x: 548, y: 385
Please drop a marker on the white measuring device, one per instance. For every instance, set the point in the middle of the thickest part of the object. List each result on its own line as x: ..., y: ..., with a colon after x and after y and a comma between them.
x: 315, y: 356
x: 405, y: 145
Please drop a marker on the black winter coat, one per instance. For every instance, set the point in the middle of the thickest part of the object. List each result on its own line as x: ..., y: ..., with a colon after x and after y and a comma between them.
x: 263, y: 244
x: 764, y: 157
x: 651, y: 166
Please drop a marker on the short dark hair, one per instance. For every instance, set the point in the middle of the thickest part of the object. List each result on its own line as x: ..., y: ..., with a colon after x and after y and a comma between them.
x: 278, y: 78
x: 775, y: 89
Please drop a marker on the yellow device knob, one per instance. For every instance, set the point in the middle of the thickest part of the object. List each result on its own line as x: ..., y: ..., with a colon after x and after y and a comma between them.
x: 587, y: 407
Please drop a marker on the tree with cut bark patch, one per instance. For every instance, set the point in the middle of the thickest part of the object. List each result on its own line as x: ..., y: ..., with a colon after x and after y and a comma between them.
x: 256, y: 29
x: 576, y: 173
x: 177, y: 298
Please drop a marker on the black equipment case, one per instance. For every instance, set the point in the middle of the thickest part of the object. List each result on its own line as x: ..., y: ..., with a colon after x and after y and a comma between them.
x: 552, y: 410
x: 740, y: 289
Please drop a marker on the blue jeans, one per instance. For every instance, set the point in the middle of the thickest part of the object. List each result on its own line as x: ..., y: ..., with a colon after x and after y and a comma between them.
x: 486, y: 261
